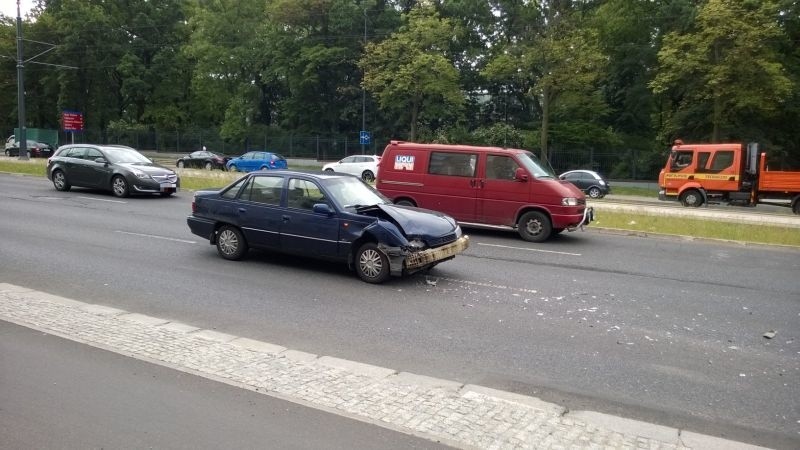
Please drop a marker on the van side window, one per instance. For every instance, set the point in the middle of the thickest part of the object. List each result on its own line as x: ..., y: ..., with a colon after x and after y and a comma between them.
x: 500, y: 167
x: 455, y: 164
x: 702, y: 160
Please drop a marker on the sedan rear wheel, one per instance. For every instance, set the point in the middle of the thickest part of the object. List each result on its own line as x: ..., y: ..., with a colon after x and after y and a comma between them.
x: 372, y: 265
x: 230, y: 243
x: 119, y: 186
x: 209, y: 166
x: 60, y: 181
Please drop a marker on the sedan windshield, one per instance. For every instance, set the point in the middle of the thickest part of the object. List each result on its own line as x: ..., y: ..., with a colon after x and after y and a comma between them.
x: 350, y: 192
x: 532, y: 164
x: 124, y: 156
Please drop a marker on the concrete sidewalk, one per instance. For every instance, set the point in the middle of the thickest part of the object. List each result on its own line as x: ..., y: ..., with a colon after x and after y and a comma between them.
x: 463, y: 416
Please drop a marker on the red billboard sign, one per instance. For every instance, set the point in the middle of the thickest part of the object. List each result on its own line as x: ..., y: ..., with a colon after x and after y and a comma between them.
x: 72, y: 120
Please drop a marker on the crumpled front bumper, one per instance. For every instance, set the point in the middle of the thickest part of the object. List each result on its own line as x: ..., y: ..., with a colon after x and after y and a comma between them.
x: 423, y: 258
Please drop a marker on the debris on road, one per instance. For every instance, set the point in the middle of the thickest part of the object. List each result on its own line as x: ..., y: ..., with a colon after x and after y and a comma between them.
x: 770, y: 334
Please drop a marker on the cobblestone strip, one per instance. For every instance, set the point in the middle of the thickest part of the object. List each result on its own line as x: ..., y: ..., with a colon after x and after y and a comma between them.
x: 440, y: 410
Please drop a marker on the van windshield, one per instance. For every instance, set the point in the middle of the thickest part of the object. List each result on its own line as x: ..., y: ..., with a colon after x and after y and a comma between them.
x: 532, y: 164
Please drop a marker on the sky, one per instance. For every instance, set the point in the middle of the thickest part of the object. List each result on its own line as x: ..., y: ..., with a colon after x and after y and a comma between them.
x: 9, y: 7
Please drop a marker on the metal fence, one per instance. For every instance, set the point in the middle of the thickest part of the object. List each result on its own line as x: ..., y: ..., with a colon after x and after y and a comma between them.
x: 620, y: 164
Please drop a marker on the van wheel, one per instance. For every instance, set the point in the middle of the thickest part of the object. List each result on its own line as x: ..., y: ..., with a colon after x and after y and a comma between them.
x: 692, y: 198
x: 534, y: 226
x: 372, y: 265
x: 404, y: 202
x: 368, y: 176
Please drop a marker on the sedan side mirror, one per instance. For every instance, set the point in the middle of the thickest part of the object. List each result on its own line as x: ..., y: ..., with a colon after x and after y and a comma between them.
x: 322, y: 208
x: 520, y: 175
x: 100, y: 161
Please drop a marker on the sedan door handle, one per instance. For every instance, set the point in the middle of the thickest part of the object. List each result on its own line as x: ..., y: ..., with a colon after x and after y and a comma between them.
x: 242, y: 210
x: 286, y: 218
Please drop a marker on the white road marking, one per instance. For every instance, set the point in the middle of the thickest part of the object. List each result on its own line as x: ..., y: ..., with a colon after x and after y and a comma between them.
x: 153, y: 236
x: 103, y: 200
x: 530, y: 249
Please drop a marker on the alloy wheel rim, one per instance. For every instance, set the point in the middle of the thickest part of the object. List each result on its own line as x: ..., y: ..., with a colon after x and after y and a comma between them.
x: 371, y: 264
x: 228, y: 242
x: 119, y: 186
x: 59, y: 180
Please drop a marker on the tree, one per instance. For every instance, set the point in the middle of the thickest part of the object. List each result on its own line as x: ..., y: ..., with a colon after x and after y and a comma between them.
x: 557, y: 59
x: 410, y: 73
x: 724, y: 70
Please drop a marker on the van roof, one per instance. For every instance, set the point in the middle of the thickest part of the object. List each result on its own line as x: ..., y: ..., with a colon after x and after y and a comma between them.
x: 473, y: 148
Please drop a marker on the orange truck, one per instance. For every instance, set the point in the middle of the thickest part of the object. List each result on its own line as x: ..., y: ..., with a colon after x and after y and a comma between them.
x: 698, y: 174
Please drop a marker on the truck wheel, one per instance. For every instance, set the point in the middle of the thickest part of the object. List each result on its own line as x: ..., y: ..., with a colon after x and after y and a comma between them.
x: 692, y: 198
x: 534, y: 226
x: 372, y: 265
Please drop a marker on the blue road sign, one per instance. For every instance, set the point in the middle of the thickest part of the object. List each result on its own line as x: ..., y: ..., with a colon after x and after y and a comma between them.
x: 365, y: 137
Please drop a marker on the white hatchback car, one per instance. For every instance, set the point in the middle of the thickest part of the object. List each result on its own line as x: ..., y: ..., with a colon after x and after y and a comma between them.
x: 364, y: 166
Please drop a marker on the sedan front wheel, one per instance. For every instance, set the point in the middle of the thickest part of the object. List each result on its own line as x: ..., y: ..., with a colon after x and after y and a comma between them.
x: 119, y: 186
x: 372, y: 265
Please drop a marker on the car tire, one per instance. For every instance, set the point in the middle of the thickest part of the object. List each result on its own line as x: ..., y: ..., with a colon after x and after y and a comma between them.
x: 180, y: 165
x: 263, y: 168
x: 119, y: 186
x: 328, y: 171
x: 60, y: 181
x: 233, y: 168
x: 8, y: 153
x: 404, y: 202
x: 209, y: 166
x: 595, y: 192
x: 692, y: 198
x: 368, y: 176
x: 534, y: 226
x: 372, y: 265
x: 230, y: 243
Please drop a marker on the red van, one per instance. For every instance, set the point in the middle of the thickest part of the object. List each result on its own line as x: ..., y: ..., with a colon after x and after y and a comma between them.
x: 482, y: 186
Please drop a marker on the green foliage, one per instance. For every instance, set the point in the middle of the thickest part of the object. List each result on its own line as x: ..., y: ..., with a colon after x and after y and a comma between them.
x: 619, y: 78
x: 410, y: 73
x: 726, y: 67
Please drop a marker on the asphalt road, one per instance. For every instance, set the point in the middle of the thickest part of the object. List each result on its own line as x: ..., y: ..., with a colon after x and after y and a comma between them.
x: 661, y: 330
x: 70, y: 395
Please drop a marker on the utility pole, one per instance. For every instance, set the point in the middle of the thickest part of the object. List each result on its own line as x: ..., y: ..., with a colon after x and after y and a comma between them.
x: 363, y: 91
x: 22, y: 138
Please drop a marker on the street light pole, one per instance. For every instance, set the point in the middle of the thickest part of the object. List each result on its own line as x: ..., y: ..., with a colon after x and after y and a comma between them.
x: 363, y: 91
x: 22, y: 138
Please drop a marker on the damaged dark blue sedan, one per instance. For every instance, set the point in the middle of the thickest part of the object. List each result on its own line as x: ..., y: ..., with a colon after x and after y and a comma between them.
x: 332, y: 216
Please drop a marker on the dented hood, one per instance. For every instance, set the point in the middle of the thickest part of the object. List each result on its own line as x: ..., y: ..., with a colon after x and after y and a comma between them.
x: 418, y: 221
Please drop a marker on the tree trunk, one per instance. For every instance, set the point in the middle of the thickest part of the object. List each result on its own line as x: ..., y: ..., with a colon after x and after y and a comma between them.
x: 414, y: 114
x: 545, y: 121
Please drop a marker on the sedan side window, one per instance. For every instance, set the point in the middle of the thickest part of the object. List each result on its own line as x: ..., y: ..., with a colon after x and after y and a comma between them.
x: 304, y: 194
x: 266, y: 190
